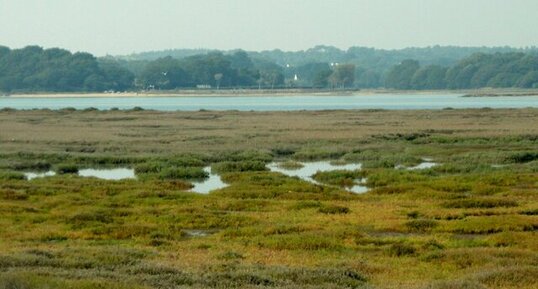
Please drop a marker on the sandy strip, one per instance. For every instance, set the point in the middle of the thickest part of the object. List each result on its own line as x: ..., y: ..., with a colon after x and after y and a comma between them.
x: 234, y: 93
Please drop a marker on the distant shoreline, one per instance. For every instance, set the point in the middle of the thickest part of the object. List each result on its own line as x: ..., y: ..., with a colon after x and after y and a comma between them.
x: 276, y: 92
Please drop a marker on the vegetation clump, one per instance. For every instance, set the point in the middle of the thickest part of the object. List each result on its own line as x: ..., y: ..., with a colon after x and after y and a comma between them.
x: 421, y: 225
x: 401, y: 249
x: 182, y: 173
x: 480, y: 203
x: 524, y: 157
x: 290, y: 165
x: 11, y: 175
x: 239, y: 166
x: 63, y: 169
x: 333, y: 209
x: 342, y: 178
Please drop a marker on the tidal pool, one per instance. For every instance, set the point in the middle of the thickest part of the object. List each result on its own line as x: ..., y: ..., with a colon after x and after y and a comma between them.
x: 105, y: 174
x: 422, y: 166
x: 213, y: 182
x: 34, y: 175
x: 311, y: 168
x: 108, y: 174
x: 427, y: 163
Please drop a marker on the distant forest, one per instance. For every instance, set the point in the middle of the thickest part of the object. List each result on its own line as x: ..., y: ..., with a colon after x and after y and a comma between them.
x: 34, y: 69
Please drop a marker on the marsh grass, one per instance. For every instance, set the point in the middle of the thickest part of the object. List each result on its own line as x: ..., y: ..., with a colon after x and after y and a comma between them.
x: 11, y: 175
x: 290, y: 165
x: 270, y: 185
x: 63, y: 169
x: 482, y: 203
x: 462, y: 224
x: 239, y: 166
x: 342, y: 178
x: 175, y: 173
x: 333, y: 209
x: 421, y: 225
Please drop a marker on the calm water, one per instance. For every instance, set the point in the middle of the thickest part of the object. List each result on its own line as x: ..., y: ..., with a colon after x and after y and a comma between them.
x: 35, y: 175
x: 423, y: 166
x: 213, y: 182
x: 275, y: 103
x: 105, y: 174
x: 108, y: 174
x: 311, y: 168
x: 427, y: 163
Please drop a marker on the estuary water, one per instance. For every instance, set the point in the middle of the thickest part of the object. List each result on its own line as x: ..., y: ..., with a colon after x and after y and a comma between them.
x: 274, y: 103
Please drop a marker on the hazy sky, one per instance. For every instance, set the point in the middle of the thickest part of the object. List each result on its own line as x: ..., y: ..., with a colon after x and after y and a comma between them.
x: 124, y: 26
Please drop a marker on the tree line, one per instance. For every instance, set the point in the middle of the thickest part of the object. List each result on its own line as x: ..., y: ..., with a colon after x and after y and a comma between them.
x: 476, y: 71
x: 213, y: 69
x: 36, y: 69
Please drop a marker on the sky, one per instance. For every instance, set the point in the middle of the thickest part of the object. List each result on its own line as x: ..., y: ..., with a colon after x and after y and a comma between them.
x: 119, y: 27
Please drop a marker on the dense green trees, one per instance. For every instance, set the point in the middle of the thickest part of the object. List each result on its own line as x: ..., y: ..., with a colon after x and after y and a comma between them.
x: 400, y: 75
x: 476, y: 71
x: 214, y: 69
x: 429, y: 77
x: 494, y: 70
x: 36, y: 69
x: 343, y: 76
x: 163, y: 73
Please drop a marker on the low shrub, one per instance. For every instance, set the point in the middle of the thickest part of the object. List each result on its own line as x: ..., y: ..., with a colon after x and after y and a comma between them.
x: 239, y: 166
x: 413, y: 214
x: 14, y: 195
x: 67, y: 169
x: 300, y: 241
x: 283, y: 151
x: 83, y: 218
x: 510, y: 277
x: 456, y: 284
x: 231, y: 255
x: 523, y: 157
x: 10, y: 175
x: 32, y: 165
x: 148, y: 168
x: 238, y: 156
x: 290, y: 165
x: 333, y: 209
x: 421, y: 225
x: 529, y: 212
x: 301, y: 205
x: 433, y: 245
x: 479, y: 203
x: 401, y: 249
x: 182, y: 173
x: 311, y: 154
x: 343, y: 178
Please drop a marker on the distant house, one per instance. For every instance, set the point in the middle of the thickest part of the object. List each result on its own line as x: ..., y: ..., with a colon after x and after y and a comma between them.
x: 203, y: 86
